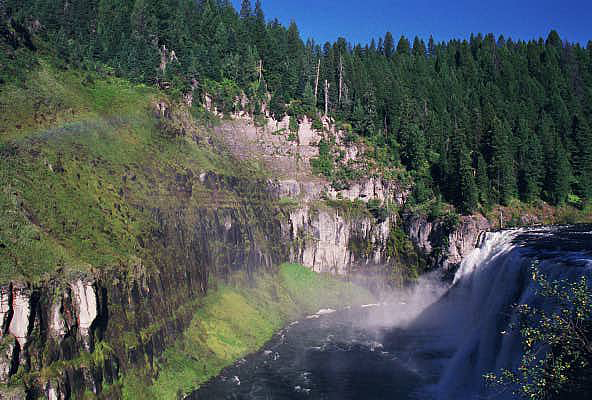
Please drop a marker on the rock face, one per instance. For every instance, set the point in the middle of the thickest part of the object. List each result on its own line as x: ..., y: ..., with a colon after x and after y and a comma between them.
x: 372, y: 189
x: 85, y: 330
x: 4, y: 307
x: 20, y: 310
x: 125, y: 316
x: 447, y: 242
x: 85, y: 300
x: 326, y: 241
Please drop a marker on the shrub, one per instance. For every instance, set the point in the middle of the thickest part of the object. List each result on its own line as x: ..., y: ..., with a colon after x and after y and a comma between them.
x: 557, y: 345
x: 377, y: 210
x: 317, y: 124
x: 294, y: 126
x: 323, y: 164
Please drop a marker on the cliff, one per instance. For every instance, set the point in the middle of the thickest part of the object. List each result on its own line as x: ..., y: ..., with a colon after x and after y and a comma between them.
x: 446, y: 240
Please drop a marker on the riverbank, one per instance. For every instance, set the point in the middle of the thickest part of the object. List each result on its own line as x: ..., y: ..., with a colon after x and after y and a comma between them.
x: 237, y: 319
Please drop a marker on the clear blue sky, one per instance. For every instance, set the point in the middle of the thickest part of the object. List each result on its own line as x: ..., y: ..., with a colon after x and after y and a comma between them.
x: 360, y: 20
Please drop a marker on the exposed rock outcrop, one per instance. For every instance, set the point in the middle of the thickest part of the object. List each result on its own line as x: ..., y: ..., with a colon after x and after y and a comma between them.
x: 20, y: 310
x: 85, y: 300
x: 446, y: 241
x: 372, y: 189
x: 328, y: 241
x: 84, y: 330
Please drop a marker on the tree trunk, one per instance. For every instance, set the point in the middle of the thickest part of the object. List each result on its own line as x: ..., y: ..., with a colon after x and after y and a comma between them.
x: 317, y: 80
x: 326, y: 97
x: 340, y: 78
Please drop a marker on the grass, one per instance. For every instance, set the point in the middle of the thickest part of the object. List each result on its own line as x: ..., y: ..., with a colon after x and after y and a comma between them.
x: 288, y: 203
x: 80, y: 158
x: 235, y: 321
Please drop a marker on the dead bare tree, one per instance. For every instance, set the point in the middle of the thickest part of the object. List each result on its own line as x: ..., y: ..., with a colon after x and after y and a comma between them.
x: 326, y: 97
x: 340, y: 77
x: 317, y: 79
x: 260, y: 70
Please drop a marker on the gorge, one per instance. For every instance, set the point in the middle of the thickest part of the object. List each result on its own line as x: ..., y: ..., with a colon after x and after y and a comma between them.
x: 196, y: 203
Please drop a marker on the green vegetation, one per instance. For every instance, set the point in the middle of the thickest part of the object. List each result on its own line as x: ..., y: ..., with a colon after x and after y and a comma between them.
x: 408, y: 263
x: 478, y: 122
x: 218, y: 334
x: 557, y: 359
x: 288, y: 202
x: 80, y: 153
x: 474, y: 123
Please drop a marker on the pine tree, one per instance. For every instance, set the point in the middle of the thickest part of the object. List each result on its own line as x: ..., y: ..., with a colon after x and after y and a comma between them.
x: 245, y: 10
x: 403, y: 47
x: 502, y: 174
x: 468, y: 193
x: 389, y: 45
x: 524, y: 108
x: 308, y: 99
x: 482, y: 181
x: 583, y: 156
x: 530, y: 163
x: 559, y: 175
x: 419, y: 48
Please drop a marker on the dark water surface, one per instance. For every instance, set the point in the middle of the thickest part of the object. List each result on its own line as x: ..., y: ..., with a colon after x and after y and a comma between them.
x: 452, y: 336
x: 334, y: 356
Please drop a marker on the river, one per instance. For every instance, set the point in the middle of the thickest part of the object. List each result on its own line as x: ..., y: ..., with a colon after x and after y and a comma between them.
x: 434, y: 341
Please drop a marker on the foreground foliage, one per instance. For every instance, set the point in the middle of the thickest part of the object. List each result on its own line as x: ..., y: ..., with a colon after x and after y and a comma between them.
x: 557, y: 344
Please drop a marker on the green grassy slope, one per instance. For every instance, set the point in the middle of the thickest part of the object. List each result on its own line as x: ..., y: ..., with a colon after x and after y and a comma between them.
x: 80, y: 155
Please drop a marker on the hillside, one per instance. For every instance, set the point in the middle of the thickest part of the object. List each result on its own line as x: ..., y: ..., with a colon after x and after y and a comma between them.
x: 476, y: 122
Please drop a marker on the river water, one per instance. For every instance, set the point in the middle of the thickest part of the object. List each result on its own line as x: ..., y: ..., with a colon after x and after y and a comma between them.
x: 434, y: 341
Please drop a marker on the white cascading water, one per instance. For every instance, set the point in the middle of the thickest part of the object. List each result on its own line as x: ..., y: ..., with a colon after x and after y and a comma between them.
x: 474, y: 317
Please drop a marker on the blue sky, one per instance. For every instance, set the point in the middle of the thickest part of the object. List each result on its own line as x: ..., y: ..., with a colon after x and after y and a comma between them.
x: 360, y: 20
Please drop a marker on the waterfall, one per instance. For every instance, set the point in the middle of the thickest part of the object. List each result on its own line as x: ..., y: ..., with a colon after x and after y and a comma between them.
x: 433, y: 341
x: 474, y: 317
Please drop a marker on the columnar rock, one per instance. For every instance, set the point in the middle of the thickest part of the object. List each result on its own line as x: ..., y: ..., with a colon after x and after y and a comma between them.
x: 21, y: 311
x: 57, y: 325
x: 4, y: 307
x: 323, y: 239
x: 453, y: 242
x: 85, y: 300
x: 6, y: 354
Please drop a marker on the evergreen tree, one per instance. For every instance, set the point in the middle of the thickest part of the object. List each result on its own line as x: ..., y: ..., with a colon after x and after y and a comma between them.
x: 523, y: 109
x: 419, y: 48
x: 403, y: 47
x: 482, y: 181
x: 245, y: 10
x: 468, y: 193
x: 529, y: 161
x: 582, y: 156
x: 502, y: 174
x: 389, y: 45
x: 559, y: 175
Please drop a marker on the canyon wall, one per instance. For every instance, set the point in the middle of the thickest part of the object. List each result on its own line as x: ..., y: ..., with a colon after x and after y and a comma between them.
x: 77, y: 330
